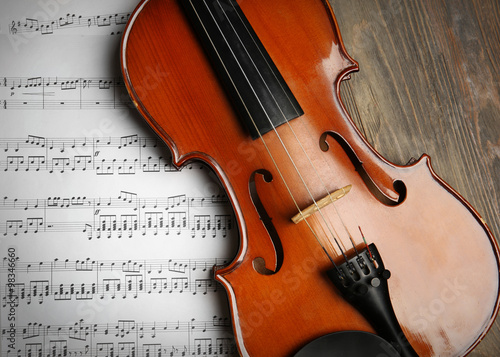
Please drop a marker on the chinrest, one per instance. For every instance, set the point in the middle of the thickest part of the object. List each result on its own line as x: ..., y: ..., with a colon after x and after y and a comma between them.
x: 348, y: 344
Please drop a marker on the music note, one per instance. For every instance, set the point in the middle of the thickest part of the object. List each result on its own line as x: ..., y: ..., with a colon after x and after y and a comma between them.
x: 109, y: 159
x: 47, y: 28
x: 31, y: 25
x: 104, y: 338
x: 63, y: 93
x: 117, y: 216
x: 70, y: 21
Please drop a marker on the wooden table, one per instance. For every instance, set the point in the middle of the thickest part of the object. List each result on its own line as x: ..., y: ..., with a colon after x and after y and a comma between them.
x: 429, y: 82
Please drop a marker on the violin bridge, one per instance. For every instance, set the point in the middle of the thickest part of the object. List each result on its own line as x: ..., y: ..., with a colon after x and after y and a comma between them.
x: 325, y: 201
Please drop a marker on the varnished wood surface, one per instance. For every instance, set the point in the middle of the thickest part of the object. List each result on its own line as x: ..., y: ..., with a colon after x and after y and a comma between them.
x: 306, y: 78
x: 429, y: 82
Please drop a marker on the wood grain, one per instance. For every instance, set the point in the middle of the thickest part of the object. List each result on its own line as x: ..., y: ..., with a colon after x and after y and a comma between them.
x: 429, y: 83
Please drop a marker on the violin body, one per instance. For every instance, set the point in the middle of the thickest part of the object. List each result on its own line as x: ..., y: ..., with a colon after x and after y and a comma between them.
x: 444, y: 261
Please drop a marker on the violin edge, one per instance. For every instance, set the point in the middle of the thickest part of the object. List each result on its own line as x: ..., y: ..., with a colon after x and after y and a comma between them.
x: 180, y: 160
x: 426, y: 160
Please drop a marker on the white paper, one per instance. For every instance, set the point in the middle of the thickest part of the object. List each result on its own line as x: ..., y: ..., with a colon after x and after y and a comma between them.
x: 106, y: 249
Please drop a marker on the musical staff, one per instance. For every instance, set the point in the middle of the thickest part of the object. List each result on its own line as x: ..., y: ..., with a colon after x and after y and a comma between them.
x: 127, y: 338
x: 35, y: 93
x: 93, y: 279
x: 125, y: 155
x: 125, y: 215
x: 102, y: 23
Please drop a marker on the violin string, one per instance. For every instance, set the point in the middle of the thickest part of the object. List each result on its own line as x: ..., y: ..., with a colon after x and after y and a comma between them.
x: 330, y: 226
x: 260, y: 135
x: 332, y: 201
x: 287, y: 122
x: 328, y: 192
x: 280, y: 139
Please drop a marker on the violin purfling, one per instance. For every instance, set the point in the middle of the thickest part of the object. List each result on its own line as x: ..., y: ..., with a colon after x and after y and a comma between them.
x: 338, y: 246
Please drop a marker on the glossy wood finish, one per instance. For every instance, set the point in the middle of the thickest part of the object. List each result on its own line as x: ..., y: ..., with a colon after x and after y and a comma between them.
x: 429, y: 81
x: 445, y: 300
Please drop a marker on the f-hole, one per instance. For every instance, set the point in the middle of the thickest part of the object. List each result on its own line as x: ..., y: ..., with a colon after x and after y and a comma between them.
x: 259, y: 263
x: 399, y: 185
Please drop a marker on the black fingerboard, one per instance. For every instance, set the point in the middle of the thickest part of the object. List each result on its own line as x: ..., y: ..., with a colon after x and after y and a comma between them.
x: 258, y: 91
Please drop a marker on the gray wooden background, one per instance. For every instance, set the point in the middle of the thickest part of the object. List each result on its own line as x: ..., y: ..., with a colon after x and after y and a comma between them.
x: 429, y: 82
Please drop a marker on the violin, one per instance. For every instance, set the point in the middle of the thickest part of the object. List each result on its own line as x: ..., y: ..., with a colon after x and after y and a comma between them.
x: 340, y: 251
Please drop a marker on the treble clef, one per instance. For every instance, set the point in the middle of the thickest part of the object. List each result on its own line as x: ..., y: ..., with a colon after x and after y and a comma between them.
x: 13, y: 28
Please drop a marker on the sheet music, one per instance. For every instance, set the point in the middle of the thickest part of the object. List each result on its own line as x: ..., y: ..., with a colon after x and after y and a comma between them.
x: 63, y: 93
x: 106, y: 248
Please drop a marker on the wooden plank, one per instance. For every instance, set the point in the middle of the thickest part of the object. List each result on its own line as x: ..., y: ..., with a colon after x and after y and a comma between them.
x: 429, y: 82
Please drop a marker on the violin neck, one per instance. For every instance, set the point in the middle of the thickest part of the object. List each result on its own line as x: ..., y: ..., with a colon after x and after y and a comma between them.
x: 258, y: 91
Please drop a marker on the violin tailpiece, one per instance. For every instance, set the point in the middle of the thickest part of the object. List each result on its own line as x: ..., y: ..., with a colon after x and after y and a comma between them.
x: 362, y: 281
